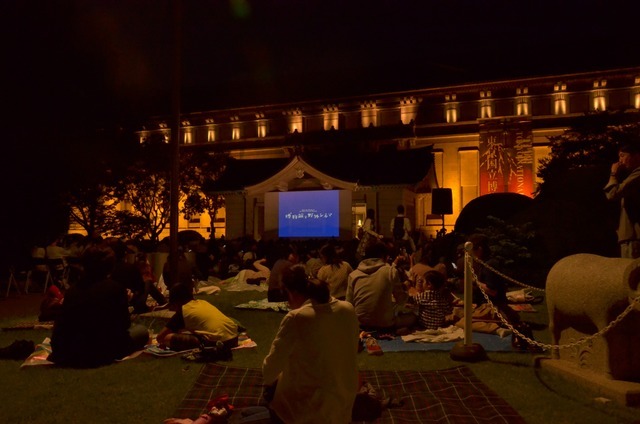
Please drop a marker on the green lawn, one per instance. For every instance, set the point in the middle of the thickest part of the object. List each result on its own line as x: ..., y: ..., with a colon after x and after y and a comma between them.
x: 148, y: 389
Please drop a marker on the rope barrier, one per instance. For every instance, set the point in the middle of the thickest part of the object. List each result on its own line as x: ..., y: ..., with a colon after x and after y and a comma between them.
x: 506, y: 277
x: 632, y: 304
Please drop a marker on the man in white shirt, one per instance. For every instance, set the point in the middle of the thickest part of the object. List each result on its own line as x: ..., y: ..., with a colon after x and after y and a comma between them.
x: 313, y: 357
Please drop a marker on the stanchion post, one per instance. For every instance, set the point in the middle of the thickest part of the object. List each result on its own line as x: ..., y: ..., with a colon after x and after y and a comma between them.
x: 467, y: 350
x: 468, y: 294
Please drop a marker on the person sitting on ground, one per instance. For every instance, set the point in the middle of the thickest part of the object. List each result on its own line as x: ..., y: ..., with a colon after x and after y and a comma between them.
x: 187, y: 271
x: 129, y: 276
x: 313, y: 263
x: 150, y: 289
x: 57, y: 259
x: 373, y: 287
x: 195, y: 322
x: 434, y: 300
x: 490, y: 283
x: 51, y: 304
x: 335, y: 271
x: 93, y: 327
x: 313, y: 358
x: 285, y: 258
x: 422, y: 267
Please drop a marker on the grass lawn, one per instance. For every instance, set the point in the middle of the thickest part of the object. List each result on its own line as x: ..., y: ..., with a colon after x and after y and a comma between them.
x: 148, y: 389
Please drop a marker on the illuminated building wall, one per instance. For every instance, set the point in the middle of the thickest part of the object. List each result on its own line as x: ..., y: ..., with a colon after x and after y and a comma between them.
x: 486, y: 137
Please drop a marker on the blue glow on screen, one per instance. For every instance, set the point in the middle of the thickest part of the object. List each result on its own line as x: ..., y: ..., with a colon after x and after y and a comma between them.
x: 309, y: 214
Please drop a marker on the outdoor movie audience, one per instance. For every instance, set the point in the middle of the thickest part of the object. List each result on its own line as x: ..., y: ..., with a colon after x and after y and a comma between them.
x: 312, y: 361
x: 374, y: 285
x: 434, y: 300
x: 93, y: 326
x: 335, y: 271
x: 494, y: 286
x: 284, y: 258
x: 195, y: 322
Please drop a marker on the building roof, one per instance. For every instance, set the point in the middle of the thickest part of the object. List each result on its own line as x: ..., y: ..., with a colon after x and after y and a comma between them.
x: 385, y: 167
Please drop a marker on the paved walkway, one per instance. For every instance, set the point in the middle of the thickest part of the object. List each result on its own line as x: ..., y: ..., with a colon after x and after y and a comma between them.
x: 20, y: 305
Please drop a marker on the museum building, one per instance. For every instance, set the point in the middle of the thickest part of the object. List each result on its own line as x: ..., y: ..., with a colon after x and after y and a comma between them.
x: 432, y: 150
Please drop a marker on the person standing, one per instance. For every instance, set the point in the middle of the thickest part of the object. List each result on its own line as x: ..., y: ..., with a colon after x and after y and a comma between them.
x: 313, y: 358
x: 401, y: 231
x: 624, y: 187
x: 369, y: 234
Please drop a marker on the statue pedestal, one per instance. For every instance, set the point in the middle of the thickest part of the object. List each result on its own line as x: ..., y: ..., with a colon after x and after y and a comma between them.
x: 625, y: 393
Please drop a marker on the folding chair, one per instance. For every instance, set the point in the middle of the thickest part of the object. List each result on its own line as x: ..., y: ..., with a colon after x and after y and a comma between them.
x: 38, y: 266
x: 12, y: 281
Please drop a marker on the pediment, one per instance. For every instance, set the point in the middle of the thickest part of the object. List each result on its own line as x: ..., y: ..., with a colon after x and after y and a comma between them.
x: 299, y: 175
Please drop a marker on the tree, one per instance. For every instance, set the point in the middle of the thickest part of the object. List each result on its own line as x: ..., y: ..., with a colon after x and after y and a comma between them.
x: 592, y: 142
x: 146, y: 187
x: 198, y: 174
x: 570, y: 212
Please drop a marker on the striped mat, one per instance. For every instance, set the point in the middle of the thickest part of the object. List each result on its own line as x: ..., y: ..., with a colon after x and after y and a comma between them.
x: 452, y: 395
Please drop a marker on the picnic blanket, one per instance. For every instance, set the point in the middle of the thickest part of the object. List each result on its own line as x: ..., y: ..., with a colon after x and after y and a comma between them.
x: 264, y: 305
x: 244, y: 342
x: 239, y: 283
x: 41, y: 355
x: 30, y: 325
x: 452, y: 395
x: 490, y: 343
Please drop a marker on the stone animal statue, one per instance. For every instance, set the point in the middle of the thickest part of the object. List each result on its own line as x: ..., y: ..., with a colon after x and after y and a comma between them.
x: 585, y: 293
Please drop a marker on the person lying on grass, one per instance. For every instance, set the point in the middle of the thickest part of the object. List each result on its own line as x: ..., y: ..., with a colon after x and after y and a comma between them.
x: 195, y: 322
x: 312, y: 361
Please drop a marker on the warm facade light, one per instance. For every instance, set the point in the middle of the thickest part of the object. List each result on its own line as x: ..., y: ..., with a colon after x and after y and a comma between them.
x: 408, y: 109
x: 560, y: 99
x: 330, y: 117
x: 599, y: 95
x: 261, y: 125
x: 486, y: 104
x: 294, y: 120
x: 369, y: 114
x: 235, y: 127
x: 451, y: 108
x: 522, y: 101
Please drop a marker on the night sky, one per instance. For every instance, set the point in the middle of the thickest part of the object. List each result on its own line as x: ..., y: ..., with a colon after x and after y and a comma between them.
x: 71, y: 67
x: 111, y: 60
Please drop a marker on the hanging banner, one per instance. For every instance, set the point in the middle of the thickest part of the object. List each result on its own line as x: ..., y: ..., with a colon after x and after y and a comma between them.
x: 506, y: 157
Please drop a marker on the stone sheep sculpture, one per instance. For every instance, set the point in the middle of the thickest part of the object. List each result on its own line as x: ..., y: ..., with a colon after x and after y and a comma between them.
x: 585, y: 293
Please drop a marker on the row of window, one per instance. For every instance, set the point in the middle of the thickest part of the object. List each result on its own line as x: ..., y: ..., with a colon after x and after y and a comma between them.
x: 411, y: 108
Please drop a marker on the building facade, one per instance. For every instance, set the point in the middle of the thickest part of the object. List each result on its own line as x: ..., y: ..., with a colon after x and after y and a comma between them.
x: 484, y: 137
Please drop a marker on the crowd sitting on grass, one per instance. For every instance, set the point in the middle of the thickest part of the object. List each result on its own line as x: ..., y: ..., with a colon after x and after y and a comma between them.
x: 311, y: 369
x: 262, y: 262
